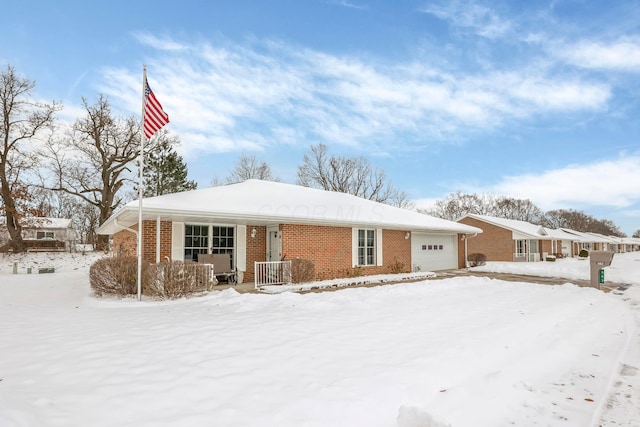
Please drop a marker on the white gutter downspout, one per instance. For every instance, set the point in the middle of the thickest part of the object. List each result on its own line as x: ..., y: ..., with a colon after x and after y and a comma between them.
x: 466, y: 257
x: 158, y: 239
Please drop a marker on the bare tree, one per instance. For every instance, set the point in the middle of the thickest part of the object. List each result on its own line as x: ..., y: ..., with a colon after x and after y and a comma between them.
x: 456, y: 205
x: 95, y: 162
x: 518, y: 209
x: 248, y: 167
x: 352, y: 175
x: 636, y: 234
x: 20, y: 122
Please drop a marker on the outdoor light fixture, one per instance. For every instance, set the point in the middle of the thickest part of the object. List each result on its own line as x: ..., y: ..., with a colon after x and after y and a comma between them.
x: 406, y: 236
x: 253, y: 233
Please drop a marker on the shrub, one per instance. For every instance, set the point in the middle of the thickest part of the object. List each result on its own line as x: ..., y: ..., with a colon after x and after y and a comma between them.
x: 476, y: 259
x: 396, y: 267
x: 302, y: 270
x: 550, y: 258
x: 177, y: 279
x: 584, y: 253
x: 118, y: 276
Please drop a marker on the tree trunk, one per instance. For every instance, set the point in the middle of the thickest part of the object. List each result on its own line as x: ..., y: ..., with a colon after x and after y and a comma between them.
x: 13, y: 227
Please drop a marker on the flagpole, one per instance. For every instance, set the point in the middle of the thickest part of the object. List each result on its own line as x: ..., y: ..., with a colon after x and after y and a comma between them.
x: 140, y: 190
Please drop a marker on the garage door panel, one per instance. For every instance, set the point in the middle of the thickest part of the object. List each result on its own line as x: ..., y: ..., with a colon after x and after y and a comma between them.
x: 432, y: 252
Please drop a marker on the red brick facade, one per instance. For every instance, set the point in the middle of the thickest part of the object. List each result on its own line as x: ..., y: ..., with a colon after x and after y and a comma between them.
x: 256, y: 249
x: 495, y: 242
x: 461, y: 256
x: 125, y: 242
x: 329, y: 248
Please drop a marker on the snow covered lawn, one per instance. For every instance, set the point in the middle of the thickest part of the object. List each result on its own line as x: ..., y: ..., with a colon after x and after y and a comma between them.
x: 459, y: 352
x: 625, y: 268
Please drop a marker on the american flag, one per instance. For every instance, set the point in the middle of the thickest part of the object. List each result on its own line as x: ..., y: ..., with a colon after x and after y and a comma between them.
x: 154, y: 115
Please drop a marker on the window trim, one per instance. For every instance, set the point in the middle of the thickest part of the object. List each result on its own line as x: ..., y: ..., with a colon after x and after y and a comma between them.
x: 209, y: 247
x: 376, y: 248
x: 46, y: 235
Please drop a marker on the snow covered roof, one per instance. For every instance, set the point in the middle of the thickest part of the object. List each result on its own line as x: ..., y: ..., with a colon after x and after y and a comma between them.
x: 522, y: 227
x: 587, y: 237
x: 560, y: 234
x: 42, y: 222
x: 259, y: 202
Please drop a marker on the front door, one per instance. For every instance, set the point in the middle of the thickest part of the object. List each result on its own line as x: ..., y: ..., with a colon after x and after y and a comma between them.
x: 274, y: 244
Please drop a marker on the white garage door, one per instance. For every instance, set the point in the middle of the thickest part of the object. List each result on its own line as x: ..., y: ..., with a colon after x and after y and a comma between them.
x: 430, y: 252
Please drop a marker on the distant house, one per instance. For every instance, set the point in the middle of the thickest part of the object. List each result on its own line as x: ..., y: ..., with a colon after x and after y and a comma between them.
x: 43, y: 234
x: 511, y: 240
x: 260, y: 221
x: 594, y: 241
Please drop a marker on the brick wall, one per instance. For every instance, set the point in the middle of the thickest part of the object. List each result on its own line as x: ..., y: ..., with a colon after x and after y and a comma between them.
x: 495, y: 242
x: 256, y: 250
x: 330, y: 249
x: 125, y: 242
x: 461, y: 260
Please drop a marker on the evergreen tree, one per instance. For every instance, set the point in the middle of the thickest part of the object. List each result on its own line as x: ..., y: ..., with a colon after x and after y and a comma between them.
x: 164, y: 170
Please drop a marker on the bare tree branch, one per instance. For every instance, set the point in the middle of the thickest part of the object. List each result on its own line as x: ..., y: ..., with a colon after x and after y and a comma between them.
x: 352, y: 175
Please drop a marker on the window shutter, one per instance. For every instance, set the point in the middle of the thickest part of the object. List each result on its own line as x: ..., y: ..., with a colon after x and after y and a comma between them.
x: 177, y: 241
x: 379, y: 247
x: 241, y: 247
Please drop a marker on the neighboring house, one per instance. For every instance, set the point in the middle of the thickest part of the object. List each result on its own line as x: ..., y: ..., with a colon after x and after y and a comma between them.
x: 259, y: 221
x: 630, y: 244
x: 591, y: 241
x: 44, y: 234
x: 511, y: 240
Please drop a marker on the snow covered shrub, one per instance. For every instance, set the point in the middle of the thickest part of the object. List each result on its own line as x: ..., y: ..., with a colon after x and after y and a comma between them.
x: 550, y: 258
x: 302, y: 270
x: 476, y: 259
x: 118, y: 276
x: 584, y: 253
x: 177, y: 279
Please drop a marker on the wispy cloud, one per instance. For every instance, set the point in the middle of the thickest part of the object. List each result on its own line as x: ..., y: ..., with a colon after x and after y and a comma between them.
x: 472, y: 17
x: 263, y: 93
x: 350, y: 5
x: 622, y: 54
x: 611, y: 183
x: 159, y: 43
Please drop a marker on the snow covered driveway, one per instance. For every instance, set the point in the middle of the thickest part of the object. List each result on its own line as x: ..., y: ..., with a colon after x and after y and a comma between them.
x: 459, y: 352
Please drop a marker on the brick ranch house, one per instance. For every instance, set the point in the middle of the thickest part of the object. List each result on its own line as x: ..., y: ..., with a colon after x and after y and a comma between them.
x: 511, y: 240
x: 257, y: 221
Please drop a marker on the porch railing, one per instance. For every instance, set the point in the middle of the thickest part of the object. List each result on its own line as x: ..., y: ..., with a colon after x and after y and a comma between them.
x: 526, y: 257
x: 272, y: 273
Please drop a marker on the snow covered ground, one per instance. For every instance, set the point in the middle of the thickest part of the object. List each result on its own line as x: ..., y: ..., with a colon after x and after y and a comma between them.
x: 457, y: 352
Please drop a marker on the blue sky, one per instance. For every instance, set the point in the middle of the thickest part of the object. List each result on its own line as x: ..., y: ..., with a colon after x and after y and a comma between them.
x: 536, y: 99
